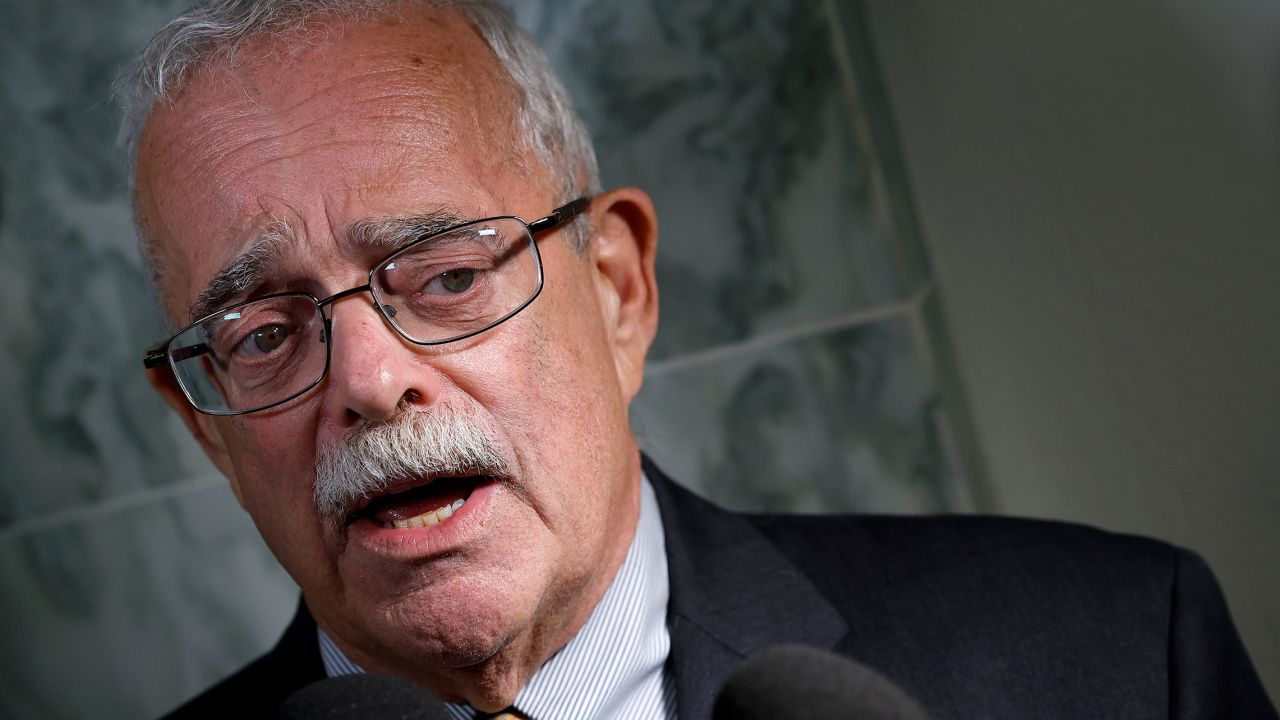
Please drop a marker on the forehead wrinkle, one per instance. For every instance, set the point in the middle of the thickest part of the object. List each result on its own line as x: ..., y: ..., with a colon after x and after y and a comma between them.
x: 400, y: 96
x: 381, y: 138
x: 406, y: 149
x: 410, y: 90
x: 222, y: 136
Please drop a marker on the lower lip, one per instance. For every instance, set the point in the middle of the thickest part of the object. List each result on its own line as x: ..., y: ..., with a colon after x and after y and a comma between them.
x: 447, y: 535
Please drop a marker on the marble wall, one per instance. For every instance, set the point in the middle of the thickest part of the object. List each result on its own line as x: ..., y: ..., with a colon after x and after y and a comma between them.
x: 801, y: 363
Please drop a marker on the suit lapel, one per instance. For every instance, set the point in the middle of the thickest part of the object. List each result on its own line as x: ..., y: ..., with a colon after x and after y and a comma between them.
x: 732, y: 593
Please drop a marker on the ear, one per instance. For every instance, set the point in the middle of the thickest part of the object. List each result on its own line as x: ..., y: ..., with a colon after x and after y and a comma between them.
x: 623, y: 246
x: 202, y: 427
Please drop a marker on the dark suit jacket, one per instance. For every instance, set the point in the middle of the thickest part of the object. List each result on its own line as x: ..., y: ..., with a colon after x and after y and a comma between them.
x: 976, y: 617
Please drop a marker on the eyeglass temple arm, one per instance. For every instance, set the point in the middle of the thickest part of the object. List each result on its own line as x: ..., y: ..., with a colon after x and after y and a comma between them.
x: 560, y: 215
x: 157, y: 357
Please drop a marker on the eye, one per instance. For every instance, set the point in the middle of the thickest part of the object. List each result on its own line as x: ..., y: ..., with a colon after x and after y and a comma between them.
x: 265, y: 340
x: 455, y: 281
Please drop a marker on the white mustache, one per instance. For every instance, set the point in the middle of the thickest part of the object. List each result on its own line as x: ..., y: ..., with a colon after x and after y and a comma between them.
x: 438, y: 441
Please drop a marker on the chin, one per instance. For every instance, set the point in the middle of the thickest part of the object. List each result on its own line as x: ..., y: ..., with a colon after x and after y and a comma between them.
x: 455, y: 626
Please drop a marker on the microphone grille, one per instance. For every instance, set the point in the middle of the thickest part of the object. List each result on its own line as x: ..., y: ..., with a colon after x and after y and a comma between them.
x: 804, y: 683
x: 363, y: 695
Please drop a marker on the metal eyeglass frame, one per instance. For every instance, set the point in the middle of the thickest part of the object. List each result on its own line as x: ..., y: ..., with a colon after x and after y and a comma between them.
x: 159, y: 355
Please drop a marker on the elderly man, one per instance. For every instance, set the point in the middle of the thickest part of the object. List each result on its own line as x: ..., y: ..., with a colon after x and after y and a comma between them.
x: 411, y: 326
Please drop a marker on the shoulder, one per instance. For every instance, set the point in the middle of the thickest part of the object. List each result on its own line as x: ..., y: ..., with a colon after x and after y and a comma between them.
x: 985, y: 556
x: 847, y: 555
x: 1054, y: 595
x: 257, y: 689
x: 896, y: 548
x: 990, y: 567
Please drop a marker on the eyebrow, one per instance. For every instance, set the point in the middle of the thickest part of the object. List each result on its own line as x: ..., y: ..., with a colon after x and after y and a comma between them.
x: 245, y: 271
x: 251, y: 267
x: 390, y: 234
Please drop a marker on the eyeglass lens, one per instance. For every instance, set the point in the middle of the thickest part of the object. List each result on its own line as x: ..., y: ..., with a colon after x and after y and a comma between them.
x: 251, y: 355
x: 459, y: 281
x: 443, y: 288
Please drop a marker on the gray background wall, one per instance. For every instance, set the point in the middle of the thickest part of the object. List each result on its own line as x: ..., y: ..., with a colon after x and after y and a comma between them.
x: 803, y: 361
x: 1099, y: 185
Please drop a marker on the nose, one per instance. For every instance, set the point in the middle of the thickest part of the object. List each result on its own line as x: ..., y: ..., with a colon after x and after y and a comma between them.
x: 371, y: 368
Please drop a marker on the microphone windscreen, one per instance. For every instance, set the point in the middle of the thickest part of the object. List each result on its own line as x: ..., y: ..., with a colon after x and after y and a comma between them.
x: 365, y: 696
x: 795, y: 682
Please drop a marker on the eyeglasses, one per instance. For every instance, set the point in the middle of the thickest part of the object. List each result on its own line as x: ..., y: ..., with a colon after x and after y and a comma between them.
x: 441, y: 288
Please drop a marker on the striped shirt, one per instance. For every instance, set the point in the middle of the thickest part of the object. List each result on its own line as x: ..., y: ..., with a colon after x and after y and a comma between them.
x: 615, y: 666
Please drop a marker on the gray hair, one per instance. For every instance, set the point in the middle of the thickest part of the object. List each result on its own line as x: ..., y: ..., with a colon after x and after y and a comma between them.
x: 213, y: 31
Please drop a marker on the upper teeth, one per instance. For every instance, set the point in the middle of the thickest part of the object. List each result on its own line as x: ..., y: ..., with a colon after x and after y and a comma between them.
x: 428, y: 518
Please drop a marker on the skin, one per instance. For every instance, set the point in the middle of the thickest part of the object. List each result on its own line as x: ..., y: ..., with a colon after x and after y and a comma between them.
x: 392, y: 119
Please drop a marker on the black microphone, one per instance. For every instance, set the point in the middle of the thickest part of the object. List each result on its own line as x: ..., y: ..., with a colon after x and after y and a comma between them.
x: 367, y: 696
x: 795, y: 682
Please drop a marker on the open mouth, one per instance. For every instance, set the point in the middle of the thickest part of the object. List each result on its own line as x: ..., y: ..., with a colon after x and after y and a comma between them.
x: 420, y: 506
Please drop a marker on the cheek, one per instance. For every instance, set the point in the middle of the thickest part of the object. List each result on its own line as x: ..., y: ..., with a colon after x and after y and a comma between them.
x: 562, y: 381
x: 570, y: 407
x: 546, y: 381
x: 273, y: 463
x: 273, y: 458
